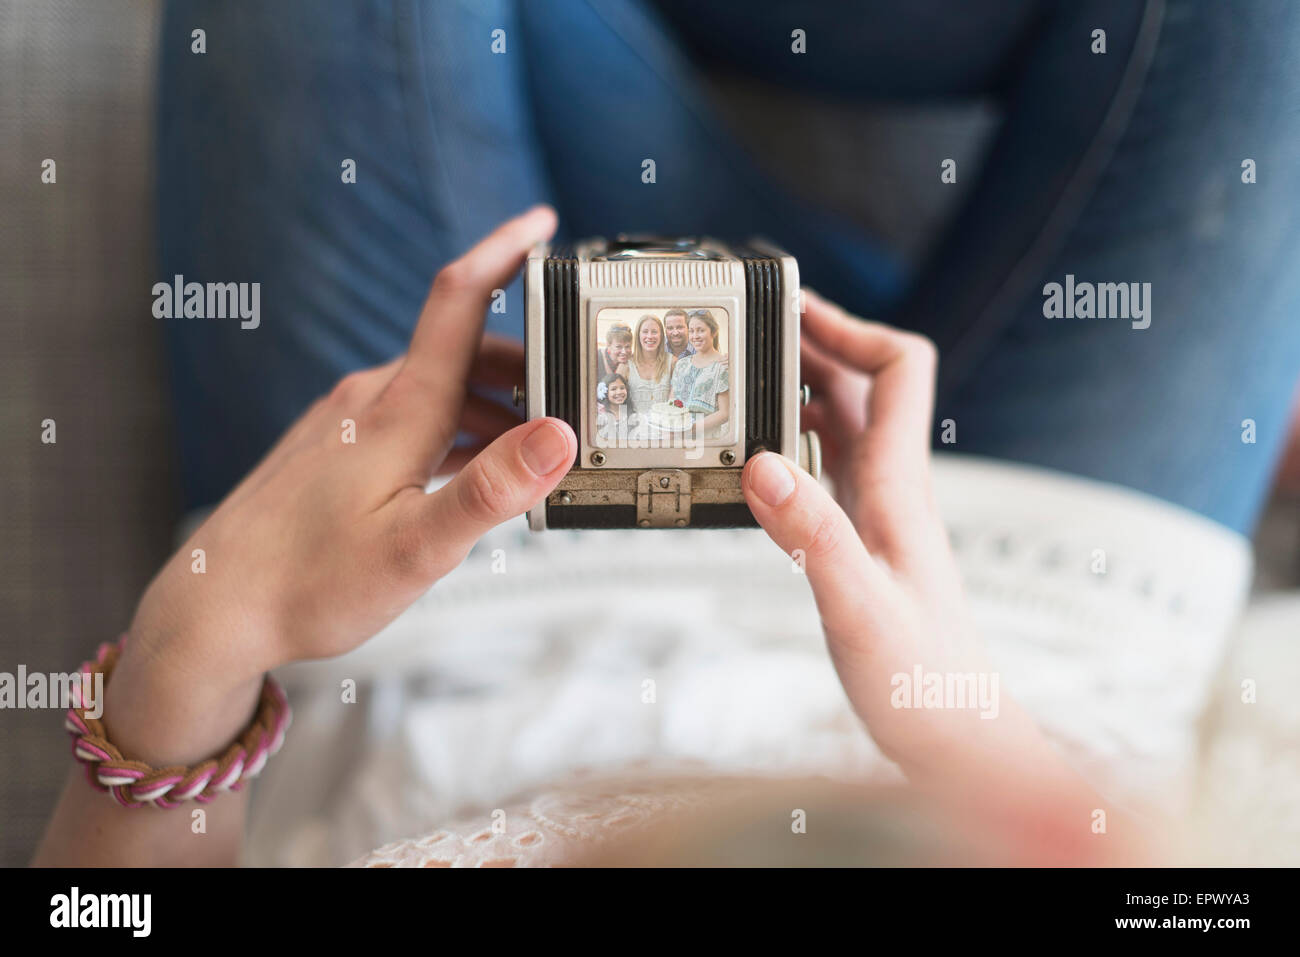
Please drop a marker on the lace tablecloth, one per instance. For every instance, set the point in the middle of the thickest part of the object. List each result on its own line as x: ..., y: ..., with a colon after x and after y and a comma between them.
x: 547, y: 659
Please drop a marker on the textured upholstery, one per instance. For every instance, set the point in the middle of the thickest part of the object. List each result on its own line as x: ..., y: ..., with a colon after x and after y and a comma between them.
x: 83, y: 522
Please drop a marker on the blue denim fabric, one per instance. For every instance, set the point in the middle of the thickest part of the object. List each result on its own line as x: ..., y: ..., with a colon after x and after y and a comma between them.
x: 1114, y: 168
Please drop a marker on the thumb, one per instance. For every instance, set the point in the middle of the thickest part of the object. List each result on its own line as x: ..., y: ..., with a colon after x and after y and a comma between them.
x: 506, y: 479
x: 809, y: 525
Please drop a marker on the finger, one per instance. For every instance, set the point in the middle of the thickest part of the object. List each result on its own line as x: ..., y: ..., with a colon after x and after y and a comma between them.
x: 507, y: 478
x: 459, y: 457
x: 802, y: 518
x: 843, y: 389
x: 487, y: 419
x: 902, y: 369
x: 836, y: 444
x: 815, y: 366
x: 446, y: 338
x: 430, y: 386
x: 836, y: 410
x: 891, y: 502
x: 499, y: 363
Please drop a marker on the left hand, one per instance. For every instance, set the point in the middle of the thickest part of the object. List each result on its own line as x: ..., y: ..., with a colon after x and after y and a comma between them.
x: 887, y: 587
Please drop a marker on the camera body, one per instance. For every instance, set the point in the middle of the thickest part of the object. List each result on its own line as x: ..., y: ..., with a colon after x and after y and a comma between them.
x: 674, y: 360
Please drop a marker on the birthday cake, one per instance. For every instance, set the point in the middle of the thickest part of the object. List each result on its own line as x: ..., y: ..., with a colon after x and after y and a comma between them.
x: 670, y: 416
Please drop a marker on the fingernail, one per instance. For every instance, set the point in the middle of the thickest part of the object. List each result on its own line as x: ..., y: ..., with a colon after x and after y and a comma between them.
x: 543, y: 234
x: 770, y: 479
x: 545, y: 449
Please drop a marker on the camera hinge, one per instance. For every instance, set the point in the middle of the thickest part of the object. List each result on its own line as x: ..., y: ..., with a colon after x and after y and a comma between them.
x: 663, y: 498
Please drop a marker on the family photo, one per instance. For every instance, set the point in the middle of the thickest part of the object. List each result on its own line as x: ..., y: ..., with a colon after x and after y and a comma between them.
x: 661, y: 377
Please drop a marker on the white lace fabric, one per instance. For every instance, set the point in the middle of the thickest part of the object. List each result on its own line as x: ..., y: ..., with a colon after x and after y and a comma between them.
x: 555, y: 827
x: 548, y: 660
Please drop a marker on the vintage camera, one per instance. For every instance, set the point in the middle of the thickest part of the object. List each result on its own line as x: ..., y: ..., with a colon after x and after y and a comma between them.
x: 674, y: 360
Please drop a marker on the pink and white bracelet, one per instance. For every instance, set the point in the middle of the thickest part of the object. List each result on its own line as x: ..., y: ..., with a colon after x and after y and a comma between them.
x: 134, y: 783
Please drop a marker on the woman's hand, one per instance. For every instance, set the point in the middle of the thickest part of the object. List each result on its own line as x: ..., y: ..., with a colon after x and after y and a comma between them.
x: 886, y: 585
x: 890, y: 600
x: 323, y: 544
x: 332, y: 535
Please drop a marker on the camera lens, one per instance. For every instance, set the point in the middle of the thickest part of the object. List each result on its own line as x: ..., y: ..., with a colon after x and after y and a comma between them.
x: 648, y: 242
x: 646, y: 246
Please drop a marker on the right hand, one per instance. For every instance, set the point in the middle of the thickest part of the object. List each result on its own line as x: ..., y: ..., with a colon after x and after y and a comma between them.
x: 886, y: 585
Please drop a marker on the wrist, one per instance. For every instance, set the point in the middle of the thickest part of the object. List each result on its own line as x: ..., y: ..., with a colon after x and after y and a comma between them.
x: 162, y: 707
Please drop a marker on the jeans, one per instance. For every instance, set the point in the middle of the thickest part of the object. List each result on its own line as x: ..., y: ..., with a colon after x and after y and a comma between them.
x: 1122, y: 167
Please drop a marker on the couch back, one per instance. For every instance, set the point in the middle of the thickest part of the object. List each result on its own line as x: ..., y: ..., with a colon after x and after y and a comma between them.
x: 86, y: 519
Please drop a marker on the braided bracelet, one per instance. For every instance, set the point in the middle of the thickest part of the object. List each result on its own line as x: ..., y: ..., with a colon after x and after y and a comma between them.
x: 134, y: 783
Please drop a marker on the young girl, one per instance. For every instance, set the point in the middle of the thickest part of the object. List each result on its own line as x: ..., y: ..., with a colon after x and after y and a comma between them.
x: 615, y: 419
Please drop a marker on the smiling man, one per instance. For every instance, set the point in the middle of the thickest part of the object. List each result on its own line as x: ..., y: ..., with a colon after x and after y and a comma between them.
x: 675, y: 330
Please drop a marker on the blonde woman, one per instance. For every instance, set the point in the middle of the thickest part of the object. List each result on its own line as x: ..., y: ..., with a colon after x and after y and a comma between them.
x: 649, y: 374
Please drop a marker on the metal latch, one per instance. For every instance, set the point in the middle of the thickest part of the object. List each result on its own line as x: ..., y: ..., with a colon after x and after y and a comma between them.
x: 663, y: 498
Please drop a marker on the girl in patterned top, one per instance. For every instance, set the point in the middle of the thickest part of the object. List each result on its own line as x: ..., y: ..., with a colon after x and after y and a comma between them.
x: 702, y: 380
